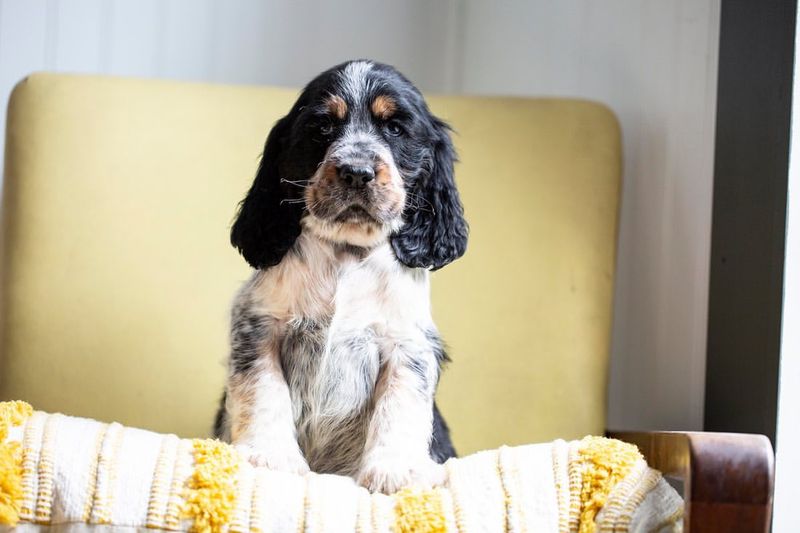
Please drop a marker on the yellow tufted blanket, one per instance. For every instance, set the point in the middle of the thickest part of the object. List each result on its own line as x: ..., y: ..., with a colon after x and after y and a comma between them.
x: 77, y: 474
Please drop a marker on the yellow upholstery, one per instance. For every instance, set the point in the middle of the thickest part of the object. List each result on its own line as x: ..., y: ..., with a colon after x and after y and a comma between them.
x: 118, y: 274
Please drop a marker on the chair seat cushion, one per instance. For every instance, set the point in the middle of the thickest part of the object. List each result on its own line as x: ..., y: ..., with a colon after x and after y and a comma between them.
x: 61, y: 470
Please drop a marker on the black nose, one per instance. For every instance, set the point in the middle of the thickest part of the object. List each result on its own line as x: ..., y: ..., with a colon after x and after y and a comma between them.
x: 356, y: 176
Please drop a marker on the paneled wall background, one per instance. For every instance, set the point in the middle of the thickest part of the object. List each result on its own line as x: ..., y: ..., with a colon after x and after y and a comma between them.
x: 653, y: 62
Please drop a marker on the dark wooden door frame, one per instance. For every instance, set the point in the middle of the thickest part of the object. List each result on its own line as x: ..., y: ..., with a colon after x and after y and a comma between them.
x: 751, y: 163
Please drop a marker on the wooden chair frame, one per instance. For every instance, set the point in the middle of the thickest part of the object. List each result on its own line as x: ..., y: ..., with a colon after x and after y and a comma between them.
x: 728, y: 477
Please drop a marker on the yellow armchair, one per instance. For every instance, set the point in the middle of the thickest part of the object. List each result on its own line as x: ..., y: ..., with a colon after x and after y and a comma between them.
x: 118, y: 275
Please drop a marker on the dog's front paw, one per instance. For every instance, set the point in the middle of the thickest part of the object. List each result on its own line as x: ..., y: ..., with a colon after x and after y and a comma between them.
x: 275, y: 457
x: 387, y: 472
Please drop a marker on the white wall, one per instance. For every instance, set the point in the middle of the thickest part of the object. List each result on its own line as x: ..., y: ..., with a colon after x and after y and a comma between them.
x: 653, y: 61
x: 787, y: 443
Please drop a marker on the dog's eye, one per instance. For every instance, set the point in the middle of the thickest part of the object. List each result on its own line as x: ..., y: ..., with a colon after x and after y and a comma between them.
x: 394, y: 128
x: 321, y: 127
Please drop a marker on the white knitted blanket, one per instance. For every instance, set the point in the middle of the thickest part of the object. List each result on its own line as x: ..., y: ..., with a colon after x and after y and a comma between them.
x: 75, y: 474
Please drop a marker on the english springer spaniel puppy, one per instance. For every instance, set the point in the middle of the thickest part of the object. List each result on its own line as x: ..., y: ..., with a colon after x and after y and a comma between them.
x: 335, y: 358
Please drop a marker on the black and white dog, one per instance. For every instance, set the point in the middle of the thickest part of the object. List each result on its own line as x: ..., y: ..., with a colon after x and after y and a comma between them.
x: 335, y: 358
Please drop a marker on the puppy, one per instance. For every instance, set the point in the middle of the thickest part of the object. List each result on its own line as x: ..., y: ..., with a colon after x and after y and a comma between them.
x: 335, y: 358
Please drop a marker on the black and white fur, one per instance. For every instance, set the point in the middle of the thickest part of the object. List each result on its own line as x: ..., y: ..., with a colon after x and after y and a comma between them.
x: 335, y: 357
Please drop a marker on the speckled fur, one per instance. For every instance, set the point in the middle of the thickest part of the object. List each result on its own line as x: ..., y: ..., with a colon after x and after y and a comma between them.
x: 335, y: 357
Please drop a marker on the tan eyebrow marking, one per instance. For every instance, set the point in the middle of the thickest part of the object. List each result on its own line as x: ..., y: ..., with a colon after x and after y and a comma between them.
x: 383, y: 107
x: 337, y: 106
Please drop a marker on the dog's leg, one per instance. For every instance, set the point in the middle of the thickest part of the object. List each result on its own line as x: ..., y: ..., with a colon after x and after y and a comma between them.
x: 441, y: 446
x: 260, y: 412
x: 260, y: 421
x: 397, y: 449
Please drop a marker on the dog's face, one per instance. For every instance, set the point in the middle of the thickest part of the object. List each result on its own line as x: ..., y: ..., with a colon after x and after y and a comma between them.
x: 360, y: 122
x: 359, y: 159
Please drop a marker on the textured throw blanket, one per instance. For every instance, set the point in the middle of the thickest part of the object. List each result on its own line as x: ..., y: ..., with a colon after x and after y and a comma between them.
x: 75, y: 474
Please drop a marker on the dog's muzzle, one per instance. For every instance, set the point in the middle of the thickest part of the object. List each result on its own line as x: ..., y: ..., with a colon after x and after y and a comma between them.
x: 357, y: 183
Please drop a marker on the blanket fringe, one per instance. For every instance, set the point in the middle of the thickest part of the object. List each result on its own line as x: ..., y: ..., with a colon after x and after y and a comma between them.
x: 11, y: 414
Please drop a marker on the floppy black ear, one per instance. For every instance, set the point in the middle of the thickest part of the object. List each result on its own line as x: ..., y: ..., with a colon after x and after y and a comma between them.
x: 435, y: 232
x: 265, y: 227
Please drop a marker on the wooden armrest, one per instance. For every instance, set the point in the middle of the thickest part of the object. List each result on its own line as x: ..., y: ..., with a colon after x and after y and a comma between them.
x: 728, y: 477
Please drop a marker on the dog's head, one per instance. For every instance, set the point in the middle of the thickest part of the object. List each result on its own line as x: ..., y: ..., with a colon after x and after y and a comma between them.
x: 359, y: 159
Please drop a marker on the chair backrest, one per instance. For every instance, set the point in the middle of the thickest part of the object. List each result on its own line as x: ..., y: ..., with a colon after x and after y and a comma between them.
x: 118, y: 275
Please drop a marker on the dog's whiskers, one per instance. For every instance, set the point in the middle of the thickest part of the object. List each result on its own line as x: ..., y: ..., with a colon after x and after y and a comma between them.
x: 298, y: 183
x: 415, y: 196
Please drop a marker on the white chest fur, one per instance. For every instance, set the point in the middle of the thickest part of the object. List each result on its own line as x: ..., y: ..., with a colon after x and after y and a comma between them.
x: 340, y: 318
